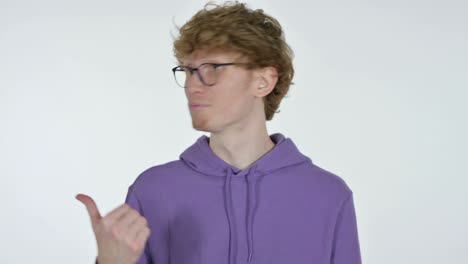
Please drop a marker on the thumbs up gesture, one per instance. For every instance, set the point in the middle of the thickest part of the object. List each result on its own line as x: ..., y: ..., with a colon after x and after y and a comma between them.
x: 121, y: 235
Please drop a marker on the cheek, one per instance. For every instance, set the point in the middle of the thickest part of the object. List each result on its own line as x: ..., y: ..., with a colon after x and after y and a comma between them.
x: 235, y: 104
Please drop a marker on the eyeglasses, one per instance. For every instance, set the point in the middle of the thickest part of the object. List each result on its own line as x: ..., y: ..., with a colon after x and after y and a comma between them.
x: 208, y: 73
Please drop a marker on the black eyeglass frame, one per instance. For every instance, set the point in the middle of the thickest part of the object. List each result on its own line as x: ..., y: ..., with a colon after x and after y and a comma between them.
x: 181, y: 68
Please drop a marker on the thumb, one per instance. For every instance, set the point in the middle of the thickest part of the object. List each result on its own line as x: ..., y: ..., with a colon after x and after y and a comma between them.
x: 91, y: 207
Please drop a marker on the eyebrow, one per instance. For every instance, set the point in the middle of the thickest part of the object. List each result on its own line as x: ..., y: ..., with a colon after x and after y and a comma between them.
x: 204, y: 59
x: 206, y: 62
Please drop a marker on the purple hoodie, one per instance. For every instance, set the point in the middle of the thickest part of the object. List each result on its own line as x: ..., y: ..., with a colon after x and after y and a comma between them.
x: 282, y: 209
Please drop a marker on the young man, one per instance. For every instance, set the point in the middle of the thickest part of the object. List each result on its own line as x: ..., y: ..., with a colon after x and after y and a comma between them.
x: 239, y: 195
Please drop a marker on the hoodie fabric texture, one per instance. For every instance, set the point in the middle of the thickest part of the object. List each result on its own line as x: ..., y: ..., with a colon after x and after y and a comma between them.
x: 282, y: 209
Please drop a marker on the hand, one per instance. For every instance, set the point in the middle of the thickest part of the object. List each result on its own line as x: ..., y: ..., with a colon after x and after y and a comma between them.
x: 121, y: 235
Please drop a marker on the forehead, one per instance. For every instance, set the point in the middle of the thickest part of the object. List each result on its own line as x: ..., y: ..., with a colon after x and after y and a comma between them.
x: 216, y: 56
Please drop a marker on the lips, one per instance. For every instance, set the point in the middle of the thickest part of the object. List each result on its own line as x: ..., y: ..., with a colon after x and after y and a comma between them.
x: 197, y: 105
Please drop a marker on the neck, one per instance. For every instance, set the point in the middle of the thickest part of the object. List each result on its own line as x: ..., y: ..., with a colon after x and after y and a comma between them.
x: 242, y: 147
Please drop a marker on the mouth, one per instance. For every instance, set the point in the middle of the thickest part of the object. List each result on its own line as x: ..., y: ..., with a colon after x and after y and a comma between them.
x: 197, y: 106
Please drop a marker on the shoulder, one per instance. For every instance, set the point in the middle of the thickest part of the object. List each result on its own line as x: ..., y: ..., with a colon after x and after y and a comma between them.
x: 327, y: 182
x: 159, y: 175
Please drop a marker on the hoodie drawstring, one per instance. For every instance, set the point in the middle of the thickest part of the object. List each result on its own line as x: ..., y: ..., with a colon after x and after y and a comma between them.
x: 251, y: 206
x: 229, y: 212
x: 251, y: 178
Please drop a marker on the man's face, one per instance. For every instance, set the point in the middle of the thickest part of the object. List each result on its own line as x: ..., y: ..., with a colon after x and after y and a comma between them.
x: 226, y: 104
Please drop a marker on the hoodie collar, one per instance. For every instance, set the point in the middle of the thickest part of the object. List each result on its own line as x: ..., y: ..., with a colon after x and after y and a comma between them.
x: 200, y: 157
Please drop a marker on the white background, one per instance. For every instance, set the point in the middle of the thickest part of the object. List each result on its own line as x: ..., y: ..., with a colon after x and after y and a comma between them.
x: 88, y: 101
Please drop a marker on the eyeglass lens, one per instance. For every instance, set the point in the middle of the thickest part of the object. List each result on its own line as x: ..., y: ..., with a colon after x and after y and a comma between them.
x: 206, y: 74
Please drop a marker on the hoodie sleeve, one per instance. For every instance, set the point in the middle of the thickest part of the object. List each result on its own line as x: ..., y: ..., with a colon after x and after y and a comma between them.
x: 346, y: 249
x: 133, y: 202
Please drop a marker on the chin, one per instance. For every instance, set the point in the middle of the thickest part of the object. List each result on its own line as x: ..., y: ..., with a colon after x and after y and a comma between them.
x: 206, y: 126
x: 201, y: 125
x: 202, y: 129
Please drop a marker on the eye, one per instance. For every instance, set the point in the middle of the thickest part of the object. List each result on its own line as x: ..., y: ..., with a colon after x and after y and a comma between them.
x: 216, y: 66
x: 186, y: 69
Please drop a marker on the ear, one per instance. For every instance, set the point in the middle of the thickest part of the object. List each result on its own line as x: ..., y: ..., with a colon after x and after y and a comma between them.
x: 265, y: 81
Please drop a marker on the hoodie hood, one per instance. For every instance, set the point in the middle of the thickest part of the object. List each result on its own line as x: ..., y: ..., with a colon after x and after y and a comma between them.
x: 201, y: 158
